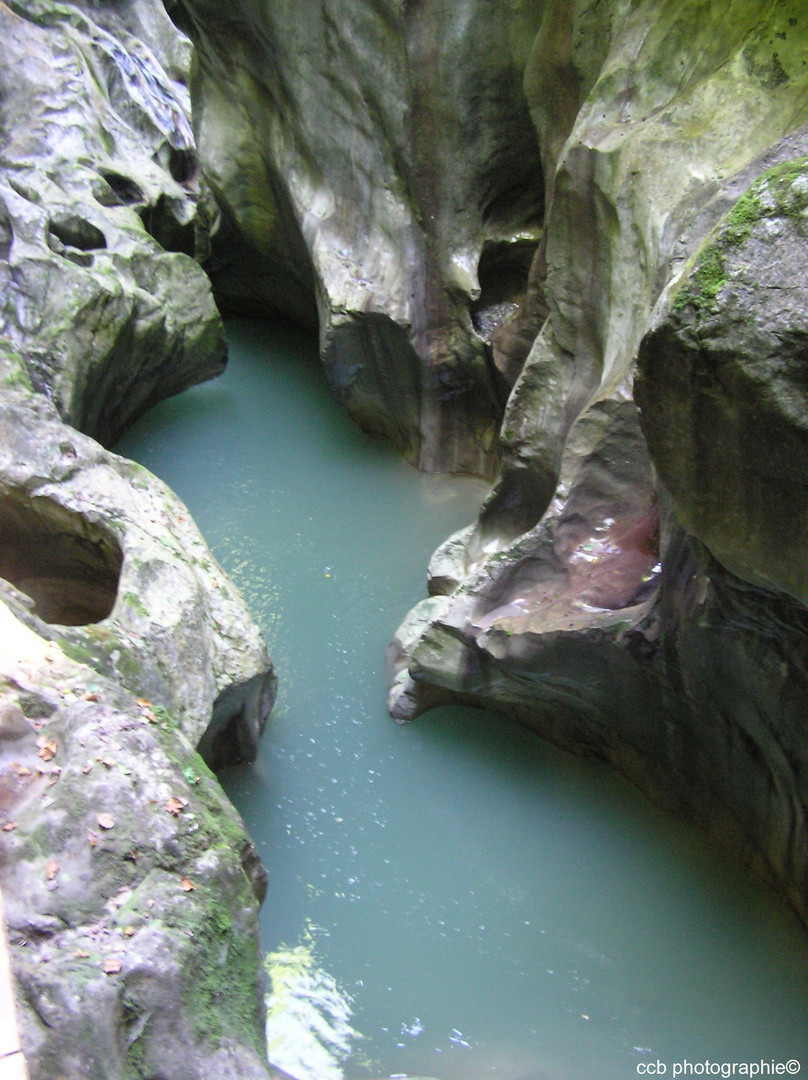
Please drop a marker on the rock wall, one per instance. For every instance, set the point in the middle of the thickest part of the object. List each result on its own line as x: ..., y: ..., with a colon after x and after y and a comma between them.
x: 126, y: 656
x: 635, y: 585
x: 380, y: 161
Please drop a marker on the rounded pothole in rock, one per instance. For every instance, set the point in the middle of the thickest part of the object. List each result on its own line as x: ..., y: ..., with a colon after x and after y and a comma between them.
x: 67, y: 565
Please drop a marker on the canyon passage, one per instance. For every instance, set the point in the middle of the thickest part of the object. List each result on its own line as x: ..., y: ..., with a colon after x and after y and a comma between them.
x: 454, y: 897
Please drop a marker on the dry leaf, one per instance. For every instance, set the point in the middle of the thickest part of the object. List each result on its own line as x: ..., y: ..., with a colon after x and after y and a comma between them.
x: 176, y: 805
x: 86, y: 768
x: 88, y: 696
x: 20, y: 770
x: 10, y: 826
x: 106, y: 821
x: 51, y: 869
x: 150, y: 716
x: 81, y: 954
x: 187, y: 885
x: 110, y: 762
x: 143, y: 703
x: 129, y: 931
x: 112, y: 965
x: 92, y: 837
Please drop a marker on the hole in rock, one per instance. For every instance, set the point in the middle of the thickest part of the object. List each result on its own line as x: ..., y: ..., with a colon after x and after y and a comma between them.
x: 6, y: 232
x: 76, y: 232
x: 163, y: 222
x: 181, y: 164
x: 67, y: 565
x: 124, y: 191
x: 502, y: 272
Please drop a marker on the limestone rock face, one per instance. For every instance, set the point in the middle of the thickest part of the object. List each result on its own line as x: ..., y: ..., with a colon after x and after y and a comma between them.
x: 634, y: 586
x: 380, y: 160
x: 100, y: 296
x: 107, y: 561
x: 723, y: 385
x: 126, y: 655
x: 131, y: 889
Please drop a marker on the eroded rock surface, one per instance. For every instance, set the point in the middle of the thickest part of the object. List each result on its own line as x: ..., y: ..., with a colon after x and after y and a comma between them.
x: 647, y: 605
x: 126, y: 655
x: 102, y: 305
x: 372, y: 154
x: 724, y: 385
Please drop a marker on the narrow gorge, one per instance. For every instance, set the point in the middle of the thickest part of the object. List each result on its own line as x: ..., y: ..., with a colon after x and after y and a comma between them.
x: 559, y: 246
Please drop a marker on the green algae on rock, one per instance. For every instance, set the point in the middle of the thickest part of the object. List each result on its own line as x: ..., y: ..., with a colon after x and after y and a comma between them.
x: 722, y: 389
x: 130, y: 889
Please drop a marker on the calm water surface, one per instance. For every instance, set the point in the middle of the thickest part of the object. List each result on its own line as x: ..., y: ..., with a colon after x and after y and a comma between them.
x: 452, y: 898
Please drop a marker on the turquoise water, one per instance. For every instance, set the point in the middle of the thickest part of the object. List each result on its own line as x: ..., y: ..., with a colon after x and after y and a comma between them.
x: 452, y: 898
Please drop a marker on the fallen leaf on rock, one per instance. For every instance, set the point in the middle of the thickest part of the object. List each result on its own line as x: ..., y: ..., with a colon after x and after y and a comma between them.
x: 88, y: 696
x: 187, y: 885
x: 20, y: 770
x: 10, y: 826
x: 176, y: 805
x: 143, y: 703
x: 106, y: 821
x: 86, y: 768
x: 81, y: 954
x: 92, y: 837
x: 112, y: 965
x: 110, y: 762
x: 129, y: 931
x: 51, y: 869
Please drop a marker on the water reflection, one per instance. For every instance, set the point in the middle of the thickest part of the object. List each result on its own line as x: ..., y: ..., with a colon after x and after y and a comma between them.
x: 308, y: 1028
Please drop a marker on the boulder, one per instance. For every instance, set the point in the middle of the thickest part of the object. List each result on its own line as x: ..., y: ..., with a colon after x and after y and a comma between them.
x: 131, y: 888
x: 723, y: 385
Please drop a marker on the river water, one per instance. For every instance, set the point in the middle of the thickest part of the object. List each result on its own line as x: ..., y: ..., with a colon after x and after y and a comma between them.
x: 452, y: 898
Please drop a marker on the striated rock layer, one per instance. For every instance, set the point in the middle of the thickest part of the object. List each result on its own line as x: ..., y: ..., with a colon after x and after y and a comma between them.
x: 126, y: 656
x: 635, y: 585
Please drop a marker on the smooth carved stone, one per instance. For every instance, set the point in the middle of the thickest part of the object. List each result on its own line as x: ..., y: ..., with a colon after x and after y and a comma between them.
x: 652, y: 146
x: 376, y: 157
x: 115, y: 570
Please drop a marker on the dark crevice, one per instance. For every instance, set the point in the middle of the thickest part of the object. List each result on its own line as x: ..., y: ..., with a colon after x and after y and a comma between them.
x: 76, y: 232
